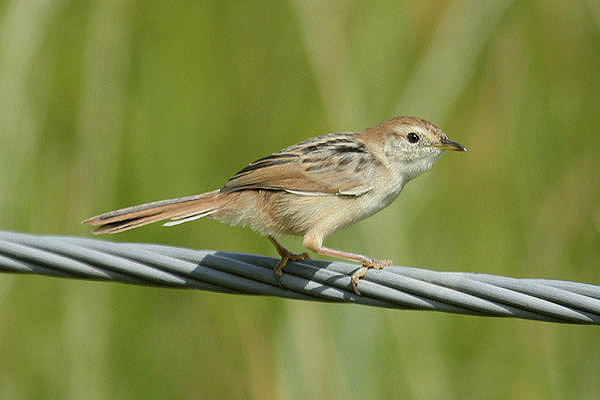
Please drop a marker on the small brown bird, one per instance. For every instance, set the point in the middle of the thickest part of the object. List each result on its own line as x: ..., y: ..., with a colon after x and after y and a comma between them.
x: 312, y: 188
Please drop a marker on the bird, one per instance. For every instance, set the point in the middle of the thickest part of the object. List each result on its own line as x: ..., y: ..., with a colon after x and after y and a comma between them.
x: 310, y: 189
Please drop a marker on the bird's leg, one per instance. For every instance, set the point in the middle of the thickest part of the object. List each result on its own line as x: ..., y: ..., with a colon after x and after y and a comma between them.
x: 314, y: 244
x: 286, y: 256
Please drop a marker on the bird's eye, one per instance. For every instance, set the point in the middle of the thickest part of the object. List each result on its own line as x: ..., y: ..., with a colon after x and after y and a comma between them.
x: 413, y: 137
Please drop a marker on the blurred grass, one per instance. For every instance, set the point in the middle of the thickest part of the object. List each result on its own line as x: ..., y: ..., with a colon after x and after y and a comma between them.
x: 109, y: 103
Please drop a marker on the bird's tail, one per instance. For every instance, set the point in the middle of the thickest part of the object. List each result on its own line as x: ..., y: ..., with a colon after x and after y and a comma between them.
x: 179, y: 210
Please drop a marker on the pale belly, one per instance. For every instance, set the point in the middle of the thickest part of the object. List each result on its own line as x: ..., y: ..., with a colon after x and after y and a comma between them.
x: 277, y: 212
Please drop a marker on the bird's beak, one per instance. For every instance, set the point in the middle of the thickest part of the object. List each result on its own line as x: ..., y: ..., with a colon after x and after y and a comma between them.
x: 447, y: 144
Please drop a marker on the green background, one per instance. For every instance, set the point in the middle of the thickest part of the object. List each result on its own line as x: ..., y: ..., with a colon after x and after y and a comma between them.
x: 105, y: 104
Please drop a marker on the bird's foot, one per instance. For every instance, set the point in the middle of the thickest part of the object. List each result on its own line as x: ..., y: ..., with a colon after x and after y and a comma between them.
x: 362, y: 271
x: 288, y: 256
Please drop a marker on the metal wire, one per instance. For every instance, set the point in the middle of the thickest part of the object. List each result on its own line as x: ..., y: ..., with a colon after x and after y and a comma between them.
x: 236, y: 273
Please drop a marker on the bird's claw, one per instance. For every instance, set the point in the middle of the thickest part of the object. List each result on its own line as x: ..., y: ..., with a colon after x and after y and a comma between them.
x: 278, y: 270
x: 362, y: 271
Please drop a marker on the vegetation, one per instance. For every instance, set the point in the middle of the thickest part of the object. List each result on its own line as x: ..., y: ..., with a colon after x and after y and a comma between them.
x: 105, y: 104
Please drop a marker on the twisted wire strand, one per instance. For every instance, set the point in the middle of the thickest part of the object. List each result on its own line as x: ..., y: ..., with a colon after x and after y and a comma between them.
x: 237, y: 273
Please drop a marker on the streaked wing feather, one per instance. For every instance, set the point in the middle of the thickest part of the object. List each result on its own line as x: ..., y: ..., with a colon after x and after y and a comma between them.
x: 331, y: 164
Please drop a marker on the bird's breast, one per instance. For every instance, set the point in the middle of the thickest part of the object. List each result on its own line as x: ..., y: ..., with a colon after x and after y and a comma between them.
x: 382, y: 196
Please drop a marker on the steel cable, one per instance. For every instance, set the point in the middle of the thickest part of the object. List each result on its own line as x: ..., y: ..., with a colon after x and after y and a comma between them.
x: 237, y: 273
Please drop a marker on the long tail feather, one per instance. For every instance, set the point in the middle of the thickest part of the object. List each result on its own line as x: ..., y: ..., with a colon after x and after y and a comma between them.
x: 189, y: 217
x: 179, y: 210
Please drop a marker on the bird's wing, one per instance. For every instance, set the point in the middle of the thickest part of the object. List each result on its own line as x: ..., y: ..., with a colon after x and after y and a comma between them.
x: 338, y: 164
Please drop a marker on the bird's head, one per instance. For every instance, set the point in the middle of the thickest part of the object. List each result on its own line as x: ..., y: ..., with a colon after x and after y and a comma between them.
x: 411, y: 145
